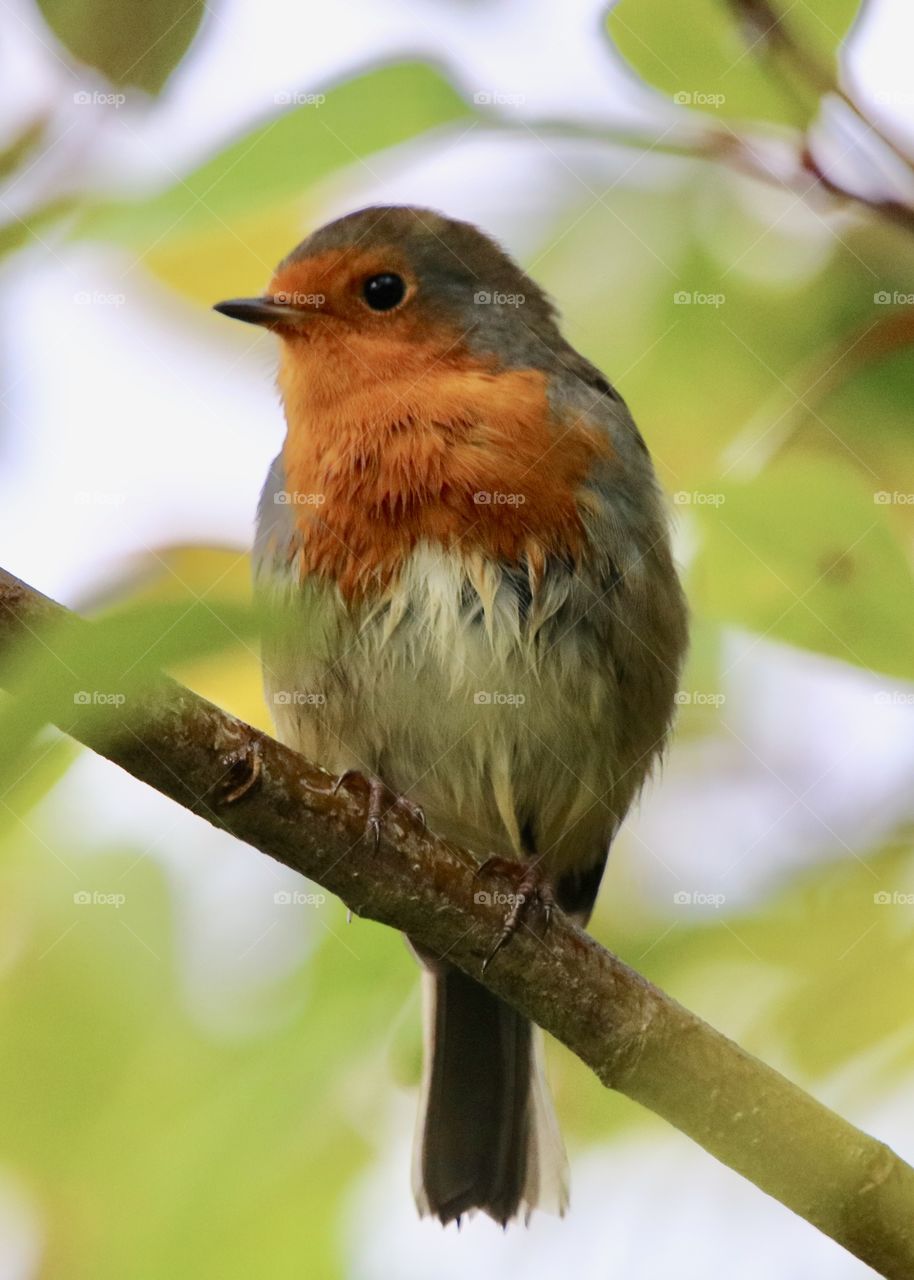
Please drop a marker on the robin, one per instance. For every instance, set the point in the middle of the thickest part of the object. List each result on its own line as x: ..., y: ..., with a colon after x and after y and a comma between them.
x: 466, y: 539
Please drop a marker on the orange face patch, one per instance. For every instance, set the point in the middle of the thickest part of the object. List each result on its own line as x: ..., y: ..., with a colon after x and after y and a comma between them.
x: 398, y: 434
x: 328, y: 287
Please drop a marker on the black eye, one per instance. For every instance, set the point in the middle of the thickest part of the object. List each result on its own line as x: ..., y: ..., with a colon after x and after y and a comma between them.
x: 384, y: 292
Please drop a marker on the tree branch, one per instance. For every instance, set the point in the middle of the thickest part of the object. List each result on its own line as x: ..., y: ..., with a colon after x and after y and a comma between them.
x: 634, y: 1037
x: 782, y: 160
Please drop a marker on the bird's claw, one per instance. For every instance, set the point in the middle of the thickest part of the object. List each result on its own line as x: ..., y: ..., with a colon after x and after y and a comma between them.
x: 378, y: 796
x: 243, y: 769
x: 533, y: 890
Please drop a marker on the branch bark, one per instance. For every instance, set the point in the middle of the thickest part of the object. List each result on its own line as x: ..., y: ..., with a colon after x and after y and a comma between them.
x: 634, y: 1037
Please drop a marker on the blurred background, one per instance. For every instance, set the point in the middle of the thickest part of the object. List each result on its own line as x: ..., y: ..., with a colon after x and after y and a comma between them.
x: 205, y: 1071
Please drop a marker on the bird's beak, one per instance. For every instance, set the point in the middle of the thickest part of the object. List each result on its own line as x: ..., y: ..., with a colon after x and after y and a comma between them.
x: 265, y: 311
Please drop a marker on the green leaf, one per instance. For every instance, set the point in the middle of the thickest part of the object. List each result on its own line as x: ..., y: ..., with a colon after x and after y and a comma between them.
x: 805, y: 554
x: 22, y: 146
x: 820, y: 968
x: 280, y: 159
x: 18, y: 232
x: 40, y: 765
x: 74, y: 676
x: 152, y: 1123
x: 712, y: 55
x: 131, y: 42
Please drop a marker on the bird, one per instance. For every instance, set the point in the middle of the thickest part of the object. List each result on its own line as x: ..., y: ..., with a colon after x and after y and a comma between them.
x: 466, y: 553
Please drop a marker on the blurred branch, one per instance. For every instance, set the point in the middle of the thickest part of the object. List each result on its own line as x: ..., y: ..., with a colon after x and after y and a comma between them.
x: 792, y: 62
x: 785, y: 159
x: 782, y: 160
x: 634, y: 1037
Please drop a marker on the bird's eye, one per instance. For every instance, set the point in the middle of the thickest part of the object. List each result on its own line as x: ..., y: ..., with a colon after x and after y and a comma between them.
x: 384, y: 292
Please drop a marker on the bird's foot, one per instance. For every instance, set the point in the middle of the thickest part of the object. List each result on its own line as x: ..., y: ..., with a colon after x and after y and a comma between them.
x: 532, y: 894
x: 380, y: 803
x: 243, y: 766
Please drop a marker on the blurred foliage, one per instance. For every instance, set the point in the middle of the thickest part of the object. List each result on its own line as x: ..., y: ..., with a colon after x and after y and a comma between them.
x: 161, y: 1149
x: 131, y: 42
x: 156, y: 1142
x: 726, y: 54
x: 245, y: 204
x: 78, y: 674
x: 836, y: 560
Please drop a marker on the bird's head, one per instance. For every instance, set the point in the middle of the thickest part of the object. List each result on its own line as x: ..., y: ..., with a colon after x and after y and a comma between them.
x: 387, y: 292
x: 428, y: 394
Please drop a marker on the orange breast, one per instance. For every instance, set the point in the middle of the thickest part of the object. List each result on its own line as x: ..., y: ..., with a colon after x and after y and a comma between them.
x: 421, y: 442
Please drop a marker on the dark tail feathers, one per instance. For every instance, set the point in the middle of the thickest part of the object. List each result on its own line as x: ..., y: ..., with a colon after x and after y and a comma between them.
x: 487, y: 1136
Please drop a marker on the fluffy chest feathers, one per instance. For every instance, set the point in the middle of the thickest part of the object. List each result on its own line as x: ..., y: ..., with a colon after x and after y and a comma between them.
x: 519, y: 699
x: 448, y: 695
x: 455, y: 456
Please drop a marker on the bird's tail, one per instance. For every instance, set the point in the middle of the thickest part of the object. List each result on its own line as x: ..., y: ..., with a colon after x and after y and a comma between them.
x: 487, y: 1136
